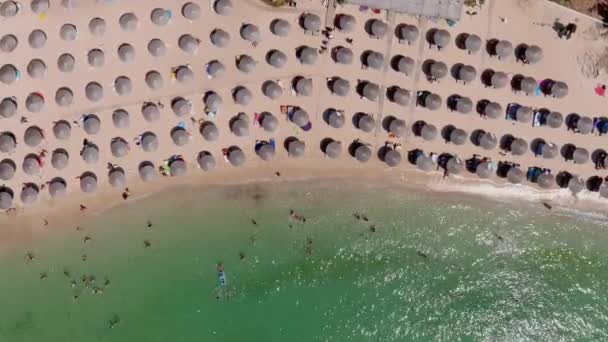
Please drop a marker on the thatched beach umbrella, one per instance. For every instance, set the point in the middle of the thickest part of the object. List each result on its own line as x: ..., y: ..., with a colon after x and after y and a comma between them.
x: 97, y: 27
x: 438, y: 70
x: 472, y: 43
x: 441, y: 38
x: 91, y: 124
x: 128, y: 21
x: 223, y: 7
x: 119, y: 147
x: 57, y: 187
x: 188, y: 43
x: 6, y: 198
x: 149, y: 142
x: 340, y: 86
x: 432, y: 102
x: 34, y: 102
x: 246, y: 64
x: 580, y: 155
x: 179, y: 136
x: 272, y: 90
x: 8, y: 107
x: 311, y: 22
x: 33, y: 136
x: 304, y: 86
x: 515, y: 175
x: 406, y: 65
x: 371, y: 91
x: 425, y: 163
x: 191, y: 11
x: 178, y: 168
x: 550, y: 151
x: 236, y: 157
x: 524, y: 114
x: 458, y: 136
x: 60, y: 159
x: 467, y: 73
x: 585, y: 125
x: 160, y: 16
x: 206, y: 161
x: 335, y: 119
x: 307, y: 55
x: 408, y: 33
x: 39, y: 6
x: 276, y: 58
x: 213, y: 101
x: 555, y: 120
x: 96, y: 58
x: 90, y: 154
x: 280, y: 27
x: 296, y: 148
x: 209, y: 131
x: 29, y: 193
x: 363, y: 153
x: 36, y: 68
x: 126, y: 53
x: 392, y: 158
x: 343, y: 55
x: 545, y: 180
x: 123, y: 85
x: 366, y: 123
x: 269, y: 122
x: 374, y: 60
x: 398, y: 127
x: 31, y: 165
x: 154, y: 80
x: 300, y: 117
x: 533, y: 54
x: 251, y: 33
x: 240, y: 127
x: 147, y: 172
x: 493, y: 110
x: 8, y: 43
x: 400, y: 96
x: 428, y: 132
x: 576, y: 185
x: 378, y: 28
x: 8, y: 142
x: 9, y: 9
x: 559, y: 90
x: 464, y: 105
x: 334, y: 149
x: 488, y: 141
x: 242, y: 96
x: 157, y: 47
x: 66, y: 62
x: 504, y: 49
x: 346, y: 23
x: 219, y: 38
x: 528, y: 85
x: 484, y: 170
x: 184, y: 74
x: 150, y: 112
x: 499, y: 80
x: 117, y: 177
x: 266, y: 152
x: 519, y: 146
x: 455, y: 165
x: 7, y: 169
x: 181, y: 106
x: 62, y: 130
x: 94, y: 91
x: 37, y: 39
x: 88, y: 182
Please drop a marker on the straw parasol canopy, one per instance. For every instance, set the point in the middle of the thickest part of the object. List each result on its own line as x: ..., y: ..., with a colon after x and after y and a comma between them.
x: 528, y: 85
x: 366, y: 123
x: 307, y: 55
x: 7, y: 169
x: 269, y: 122
x: 374, y: 60
x: 119, y: 147
x: 441, y: 38
x: 472, y: 43
x: 343, y: 55
x: 458, y: 136
x: 36, y: 68
x: 504, y: 49
x: 585, y: 125
x: 408, y: 33
x: 432, y: 102
x: 90, y: 154
x: 545, y: 180
x: 149, y: 142
x: 499, y: 80
x: 128, y: 21
x: 296, y: 148
x: 280, y: 27
x: 213, y: 101
x: 467, y: 73
x: 363, y: 153
x: 425, y: 163
x: 7, y: 142
x: 251, y: 33
x: 178, y: 168
x: 242, y: 96
x: 8, y: 107
x: 30, y: 165
x: 236, y: 157
x: 29, y: 193
x: 88, y: 182
x: 34, y: 102
x: 33, y: 136
x: 60, y: 159
x: 219, y: 38
x: 272, y: 90
x: 455, y: 165
x: 188, y: 44
x: 62, y: 130
x: 346, y: 23
x: 464, y: 105
x: 64, y: 97
x: 580, y: 155
x: 334, y: 149
x: 94, y: 91
x: 533, y: 54
x: 97, y: 27
x: 191, y: 11
x: 428, y: 132
x: 340, y: 86
x: 160, y: 16
x: 154, y: 80
x: 8, y: 43
x: 215, y: 69
x: 276, y: 58
x: 519, y: 147
x: 117, y: 177
x: 58, y: 187
x: 91, y: 124
x: 150, y: 112
x: 147, y: 171
x: 438, y: 70
x: 181, y: 106
x: 37, y: 39
x: 559, y: 90
x: 488, y: 141
x: 246, y: 64
x: 66, y: 62
x: 304, y: 86
x: 300, y: 117
x: 335, y: 119
x: 515, y: 175
x: 406, y: 64
x: 371, y: 91
x: 6, y: 198
x: 398, y: 127
x: 9, y: 9
x: 266, y: 152
x: 123, y: 85
x: 576, y: 185
x: 311, y: 22
x: 524, y: 114
x: 223, y: 7
x: 401, y: 96
x: 209, y: 131
x: 493, y: 110
x: 240, y: 127
x: 550, y: 151
x: 378, y: 28
x: 206, y: 161
x: 179, y: 136
x: 184, y: 74
x: 484, y: 170
x: 157, y: 47
x: 392, y: 158
x: 555, y: 120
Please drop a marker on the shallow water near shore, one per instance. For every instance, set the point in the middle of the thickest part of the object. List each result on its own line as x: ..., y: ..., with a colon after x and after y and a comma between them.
x: 424, y: 267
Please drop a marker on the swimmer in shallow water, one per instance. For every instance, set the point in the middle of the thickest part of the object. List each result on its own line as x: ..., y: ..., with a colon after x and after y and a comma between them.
x: 420, y: 254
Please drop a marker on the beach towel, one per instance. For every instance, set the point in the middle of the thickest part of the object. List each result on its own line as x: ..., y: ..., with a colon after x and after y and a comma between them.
x: 538, y: 91
x: 182, y: 125
x: 273, y: 143
x: 539, y: 149
x: 604, y: 128
x: 307, y: 127
x: 600, y: 90
x: 512, y: 111
x: 537, y: 119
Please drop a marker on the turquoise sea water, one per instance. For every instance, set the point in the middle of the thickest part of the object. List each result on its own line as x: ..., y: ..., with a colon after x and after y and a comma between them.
x: 424, y: 267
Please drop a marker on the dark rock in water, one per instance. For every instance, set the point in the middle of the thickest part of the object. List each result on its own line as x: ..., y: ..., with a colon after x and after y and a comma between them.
x: 420, y: 254
x: 372, y: 228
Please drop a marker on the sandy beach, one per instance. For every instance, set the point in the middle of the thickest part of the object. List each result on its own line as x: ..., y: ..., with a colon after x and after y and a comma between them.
x: 518, y: 21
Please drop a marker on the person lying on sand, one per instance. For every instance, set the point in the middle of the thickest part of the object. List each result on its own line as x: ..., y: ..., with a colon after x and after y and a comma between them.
x: 296, y: 216
x: 147, y: 243
x: 420, y: 254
